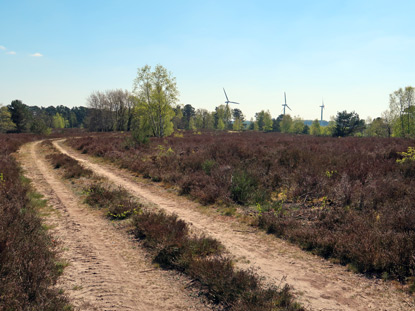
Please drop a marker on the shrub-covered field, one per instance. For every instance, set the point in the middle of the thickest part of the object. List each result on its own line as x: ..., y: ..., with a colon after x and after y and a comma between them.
x: 173, y: 246
x: 345, y: 198
x: 28, y: 265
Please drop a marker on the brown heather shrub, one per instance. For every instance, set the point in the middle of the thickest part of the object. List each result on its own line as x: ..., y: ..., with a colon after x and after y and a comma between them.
x: 159, y: 229
x: 28, y: 268
x: 201, y: 258
x: 71, y: 167
x: 239, y: 290
x: 118, y: 202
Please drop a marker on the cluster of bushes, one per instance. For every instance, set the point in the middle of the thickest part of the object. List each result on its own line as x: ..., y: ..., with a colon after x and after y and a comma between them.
x: 29, y: 267
x: 331, y: 195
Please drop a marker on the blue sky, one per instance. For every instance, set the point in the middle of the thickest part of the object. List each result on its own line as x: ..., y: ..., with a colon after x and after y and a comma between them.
x: 351, y: 53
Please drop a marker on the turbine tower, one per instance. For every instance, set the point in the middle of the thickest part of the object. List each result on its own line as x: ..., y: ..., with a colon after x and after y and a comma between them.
x: 285, y: 103
x: 322, y: 107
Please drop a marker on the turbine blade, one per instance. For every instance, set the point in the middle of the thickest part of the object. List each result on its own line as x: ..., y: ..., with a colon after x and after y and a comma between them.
x: 285, y: 98
x: 225, y: 94
x: 234, y: 103
x: 288, y: 107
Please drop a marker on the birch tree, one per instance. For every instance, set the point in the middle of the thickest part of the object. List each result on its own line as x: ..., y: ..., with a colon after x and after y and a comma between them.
x: 155, y: 93
x: 401, y: 105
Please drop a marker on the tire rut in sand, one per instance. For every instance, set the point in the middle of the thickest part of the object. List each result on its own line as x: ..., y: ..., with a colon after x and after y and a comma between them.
x: 106, y: 271
x: 318, y: 284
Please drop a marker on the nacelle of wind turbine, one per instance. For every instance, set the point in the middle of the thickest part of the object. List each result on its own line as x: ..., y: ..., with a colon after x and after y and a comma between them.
x: 322, y: 107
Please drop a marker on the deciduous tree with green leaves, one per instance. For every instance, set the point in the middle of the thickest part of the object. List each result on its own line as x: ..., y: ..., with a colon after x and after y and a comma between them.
x: 297, y: 126
x: 6, y: 123
x: 264, y: 121
x: 315, y: 128
x: 58, y: 121
x: 377, y: 128
x: 155, y: 92
x: 286, y: 123
x: 204, y: 119
x: 402, y: 109
x: 221, y: 117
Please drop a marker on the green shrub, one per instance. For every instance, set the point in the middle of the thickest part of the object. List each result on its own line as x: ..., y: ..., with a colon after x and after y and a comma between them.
x: 243, y: 187
x: 207, y: 166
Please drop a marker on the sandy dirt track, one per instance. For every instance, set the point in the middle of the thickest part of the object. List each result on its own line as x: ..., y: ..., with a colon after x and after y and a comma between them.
x: 318, y: 284
x: 107, y: 271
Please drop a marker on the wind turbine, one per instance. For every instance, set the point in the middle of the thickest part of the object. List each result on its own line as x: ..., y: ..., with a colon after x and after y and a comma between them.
x: 227, y: 106
x: 285, y: 103
x: 227, y: 100
x: 322, y: 107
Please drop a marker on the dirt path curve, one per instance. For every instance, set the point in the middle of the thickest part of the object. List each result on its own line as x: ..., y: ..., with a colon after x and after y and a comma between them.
x: 106, y: 271
x: 318, y: 284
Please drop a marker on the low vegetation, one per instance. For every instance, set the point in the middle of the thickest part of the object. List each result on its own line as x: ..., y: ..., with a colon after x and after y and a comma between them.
x: 70, y: 166
x: 29, y: 267
x: 174, y: 247
x: 202, y: 258
x: 350, y: 199
x: 118, y: 202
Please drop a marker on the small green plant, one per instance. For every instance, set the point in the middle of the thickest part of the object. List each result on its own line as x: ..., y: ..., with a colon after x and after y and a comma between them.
x: 243, y: 187
x: 122, y: 215
x: 407, y: 156
x: 60, y: 266
x: 163, y: 152
x: 330, y: 174
x: 229, y: 211
x: 412, y: 285
x: 324, y: 202
x: 259, y: 209
x: 77, y: 287
x: 207, y: 166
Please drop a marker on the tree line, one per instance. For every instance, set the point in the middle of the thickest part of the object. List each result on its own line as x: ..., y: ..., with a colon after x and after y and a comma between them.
x: 21, y: 118
x: 152, y: 109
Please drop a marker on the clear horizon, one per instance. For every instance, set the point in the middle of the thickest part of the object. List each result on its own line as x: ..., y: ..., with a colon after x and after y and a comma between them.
x: 351, y: 54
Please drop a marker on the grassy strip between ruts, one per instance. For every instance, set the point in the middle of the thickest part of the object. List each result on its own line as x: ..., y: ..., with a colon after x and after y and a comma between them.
x: 202, y: 258
x: 71, y: 166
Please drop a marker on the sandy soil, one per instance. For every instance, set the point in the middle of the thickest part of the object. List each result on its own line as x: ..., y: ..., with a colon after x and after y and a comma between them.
x: 318, y: 284
x: 107, y: 270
